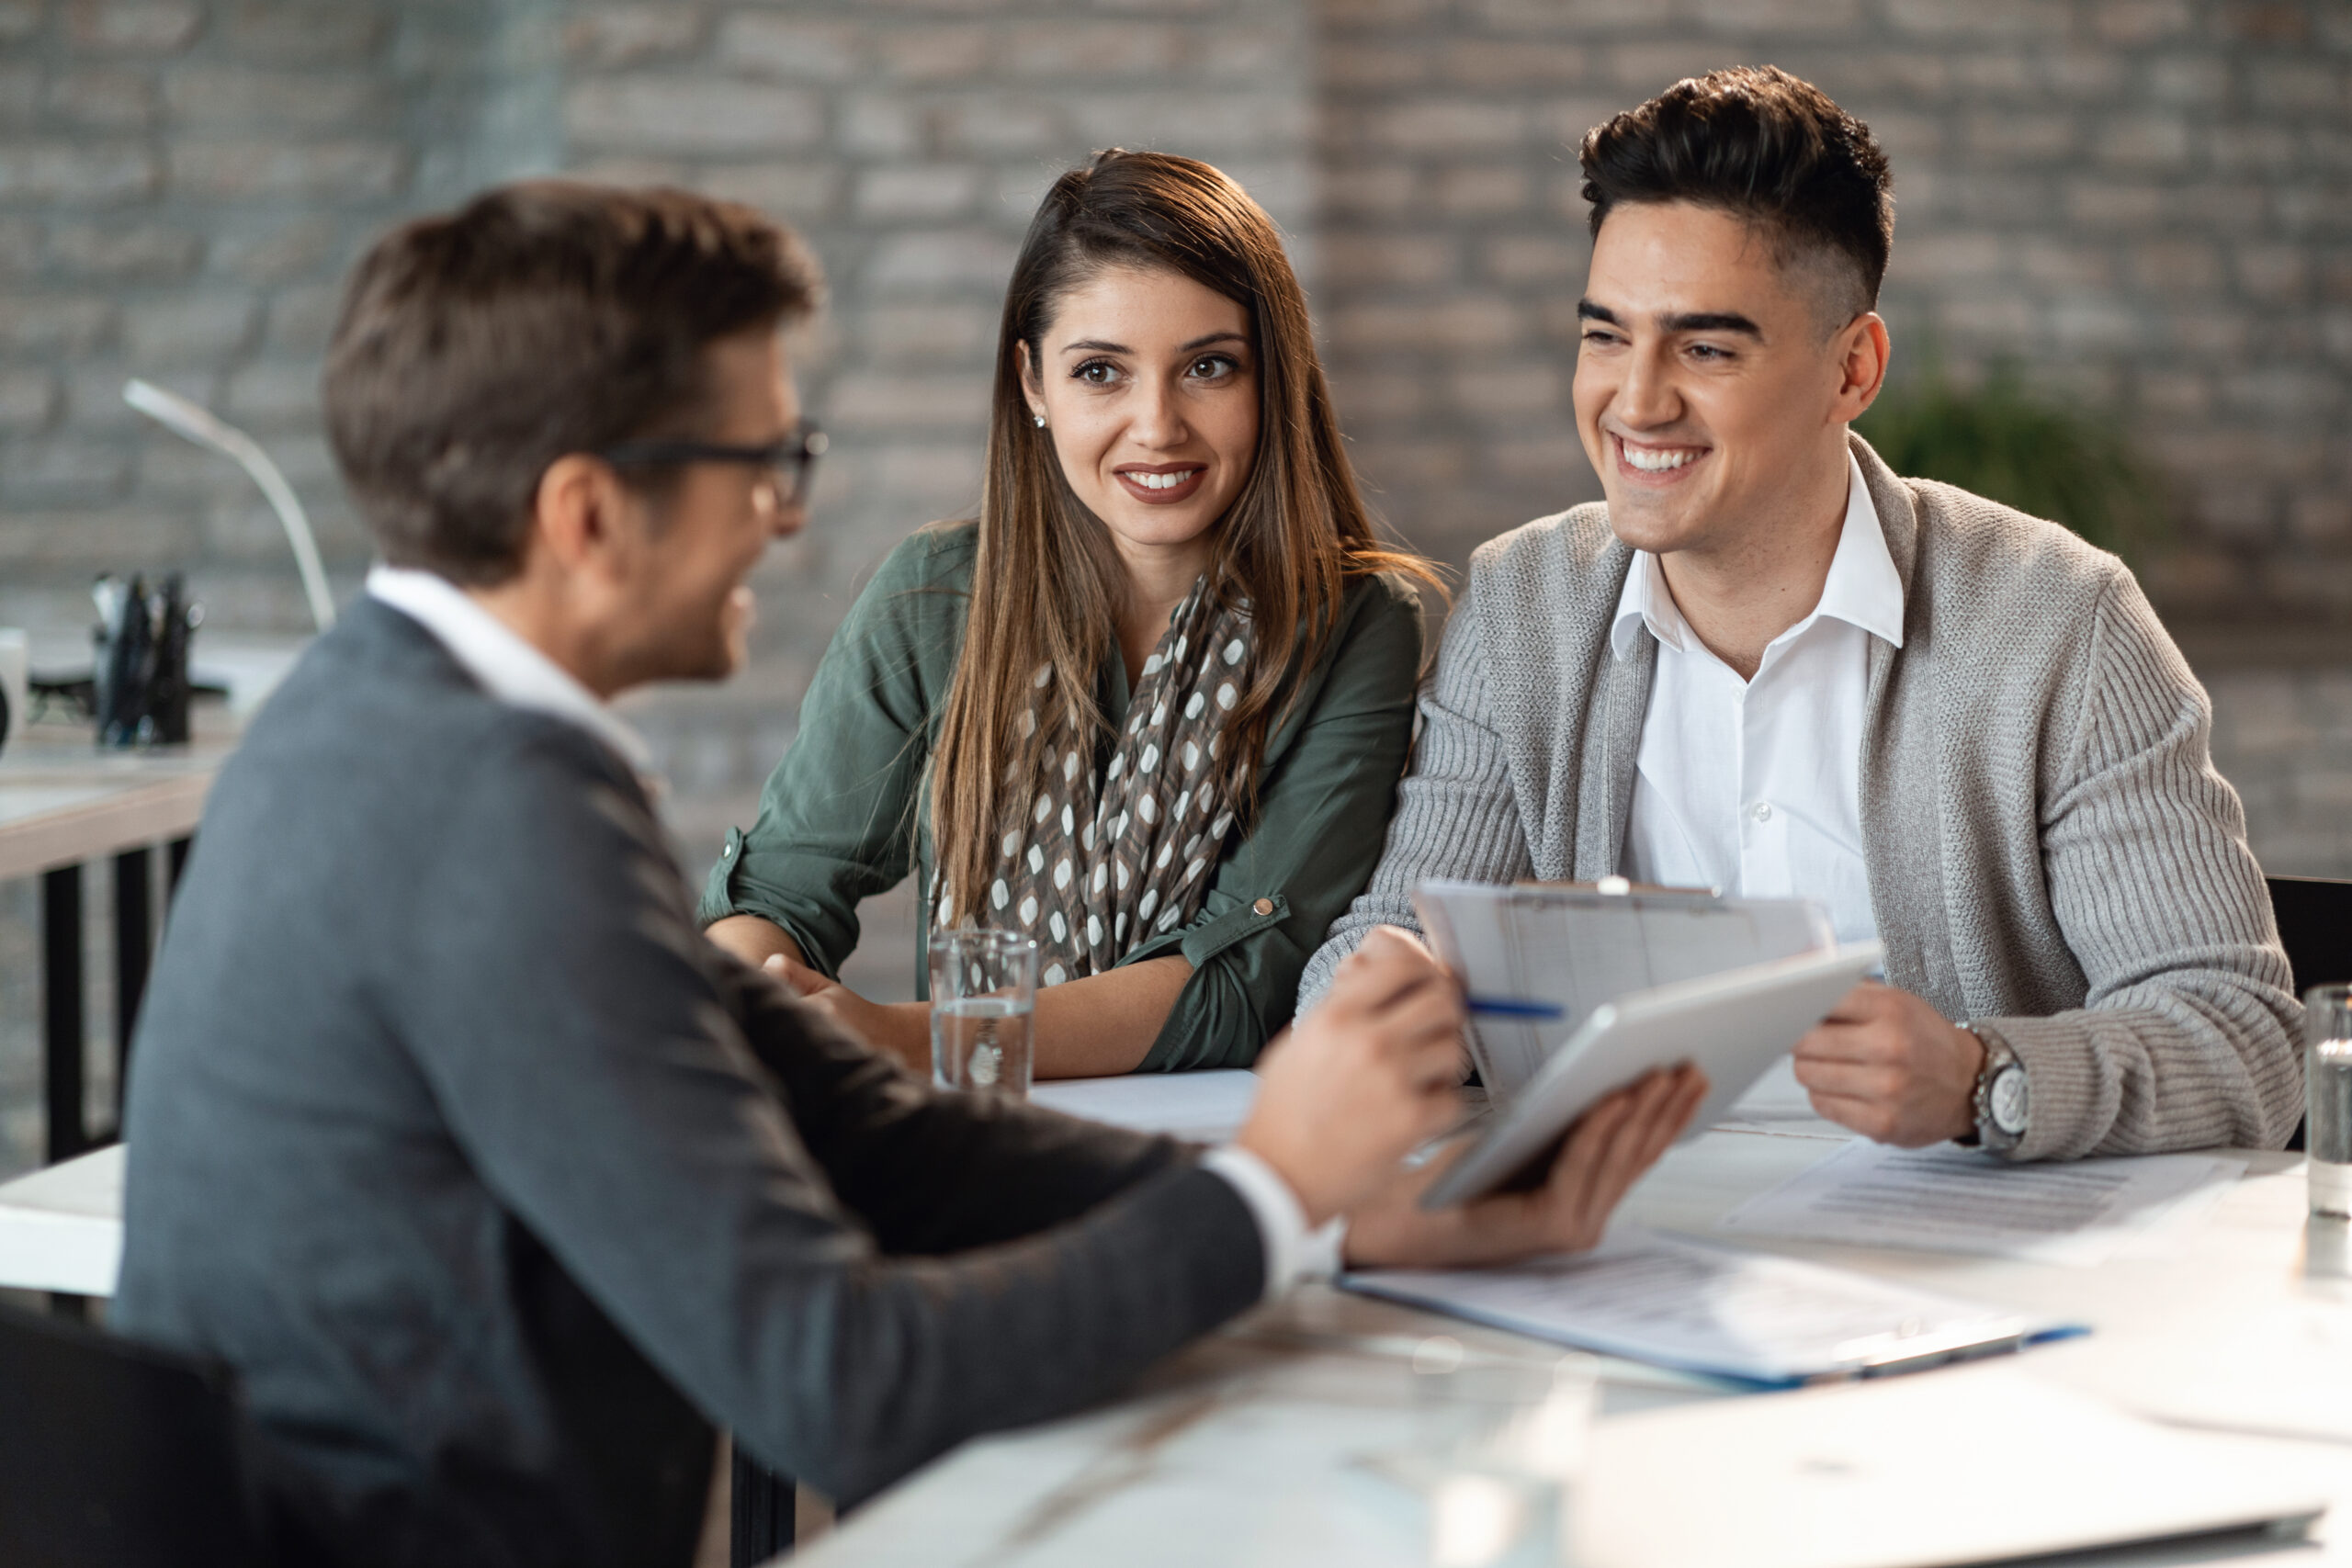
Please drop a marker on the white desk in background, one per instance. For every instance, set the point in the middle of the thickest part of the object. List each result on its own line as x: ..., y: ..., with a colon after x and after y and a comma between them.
x: 1241, y: 1450
x: 63, y: 802
x: 60, y: 1227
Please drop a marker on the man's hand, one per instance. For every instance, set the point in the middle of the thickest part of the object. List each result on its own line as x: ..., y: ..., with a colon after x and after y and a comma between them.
x: 1606, y: 1153
x: 900, y: 1030
x: 1363, y: 1079
x: 1887, y: 1065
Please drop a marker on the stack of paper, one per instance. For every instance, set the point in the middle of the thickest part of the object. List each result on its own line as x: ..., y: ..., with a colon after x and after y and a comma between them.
x: 2078, y: 1212
x: 1771, y: 1321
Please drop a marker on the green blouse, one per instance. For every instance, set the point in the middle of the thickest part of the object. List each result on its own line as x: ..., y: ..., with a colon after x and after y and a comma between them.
x: 846, y: 814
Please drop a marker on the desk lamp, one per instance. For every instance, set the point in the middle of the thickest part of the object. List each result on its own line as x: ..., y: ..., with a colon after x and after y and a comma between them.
x: 198, y: 424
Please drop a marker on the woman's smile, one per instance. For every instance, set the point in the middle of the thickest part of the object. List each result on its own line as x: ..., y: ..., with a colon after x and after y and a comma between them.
x: 1160, y: 484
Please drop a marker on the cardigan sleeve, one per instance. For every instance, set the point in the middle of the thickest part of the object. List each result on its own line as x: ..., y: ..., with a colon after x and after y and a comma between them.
x: 838, y: 817
x: 1322, y: 806
x: 2186, y: 1038
x: 1457, y: 813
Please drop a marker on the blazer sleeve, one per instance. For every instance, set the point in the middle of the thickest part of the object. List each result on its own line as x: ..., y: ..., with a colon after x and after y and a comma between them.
x: 1321, y: 810
x: 838, y: 816
x: 583, y: 1040
x: 1456, y: 814
x: 2188, y: 1037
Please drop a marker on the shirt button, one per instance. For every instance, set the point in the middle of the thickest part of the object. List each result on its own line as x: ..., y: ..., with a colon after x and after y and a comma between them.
x: 1263, y: 906
x: 1763, y: 811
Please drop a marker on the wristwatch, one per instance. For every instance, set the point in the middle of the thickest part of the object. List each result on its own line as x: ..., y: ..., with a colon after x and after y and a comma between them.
x: 2000, y: 1101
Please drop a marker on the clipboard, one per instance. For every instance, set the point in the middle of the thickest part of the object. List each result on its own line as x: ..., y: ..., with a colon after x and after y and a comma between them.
x: 1732, y: 1025
x: 1536, y: 958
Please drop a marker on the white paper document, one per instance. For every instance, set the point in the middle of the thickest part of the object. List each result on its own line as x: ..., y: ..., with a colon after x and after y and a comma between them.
x: 1537, y: 958
x: 2078, y: 1213
x: 1710, y: 1309
x: 1207, y: 1108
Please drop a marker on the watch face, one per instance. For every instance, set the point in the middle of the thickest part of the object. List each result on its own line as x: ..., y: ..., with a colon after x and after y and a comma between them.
x: 2007, y: 1099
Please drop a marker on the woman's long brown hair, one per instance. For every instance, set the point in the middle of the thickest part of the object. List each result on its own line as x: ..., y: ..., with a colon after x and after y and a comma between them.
x: 1047, y: 585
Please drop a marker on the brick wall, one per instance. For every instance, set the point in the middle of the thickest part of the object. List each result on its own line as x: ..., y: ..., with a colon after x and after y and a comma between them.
x: 182, y: 187
x: 2144, y: 200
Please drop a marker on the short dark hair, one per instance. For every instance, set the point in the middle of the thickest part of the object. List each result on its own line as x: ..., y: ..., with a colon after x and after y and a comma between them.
x: 543, y: 318
x: 1758, y: 143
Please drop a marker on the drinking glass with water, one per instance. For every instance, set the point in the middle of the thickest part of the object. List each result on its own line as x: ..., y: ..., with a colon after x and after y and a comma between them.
x: 2327, y: 1026
x: 983, y: 1011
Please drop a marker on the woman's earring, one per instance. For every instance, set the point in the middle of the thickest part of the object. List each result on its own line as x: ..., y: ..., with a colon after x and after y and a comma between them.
x: 1040, y: 420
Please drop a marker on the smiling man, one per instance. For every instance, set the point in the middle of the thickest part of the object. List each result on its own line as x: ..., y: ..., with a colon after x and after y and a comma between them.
x: 1768, y: 664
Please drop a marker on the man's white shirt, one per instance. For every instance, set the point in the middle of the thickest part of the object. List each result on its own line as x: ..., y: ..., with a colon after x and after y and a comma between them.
x: 510, y: 668
x: 1754, y: 786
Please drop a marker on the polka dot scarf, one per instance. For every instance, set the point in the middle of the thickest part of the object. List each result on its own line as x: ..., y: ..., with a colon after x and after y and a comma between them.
x: 1093, y: 868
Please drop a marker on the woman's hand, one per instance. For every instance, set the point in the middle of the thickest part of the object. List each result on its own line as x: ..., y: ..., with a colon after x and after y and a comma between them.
x: 1606, y: 1153
x: 900, y: 1030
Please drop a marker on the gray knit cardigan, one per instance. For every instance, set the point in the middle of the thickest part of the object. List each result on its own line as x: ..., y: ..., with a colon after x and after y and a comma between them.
x: 2052, y: 855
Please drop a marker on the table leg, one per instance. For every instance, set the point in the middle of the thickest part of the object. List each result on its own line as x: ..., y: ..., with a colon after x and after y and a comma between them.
x: 760, y: 1511
x: 174, y: 862
x: 134, y: 944
x: 61, y: 942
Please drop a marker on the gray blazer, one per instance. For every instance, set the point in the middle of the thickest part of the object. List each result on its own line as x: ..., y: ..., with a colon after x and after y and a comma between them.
x: 501, y: 1186
x: 2052, y: 855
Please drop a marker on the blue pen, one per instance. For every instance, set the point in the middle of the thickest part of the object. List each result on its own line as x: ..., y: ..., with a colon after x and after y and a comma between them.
x: 1512, y: 1007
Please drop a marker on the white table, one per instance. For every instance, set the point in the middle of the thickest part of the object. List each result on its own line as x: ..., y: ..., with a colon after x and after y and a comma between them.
x: 64, y: 802
x: 1240, y: 1451
x: 60, y: 1227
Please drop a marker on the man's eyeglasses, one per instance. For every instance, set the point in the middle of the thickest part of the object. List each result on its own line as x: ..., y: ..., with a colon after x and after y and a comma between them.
x: 792, y: 459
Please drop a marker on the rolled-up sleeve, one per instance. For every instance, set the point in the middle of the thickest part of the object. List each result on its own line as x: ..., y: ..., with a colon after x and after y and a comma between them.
x: 839, y: 816
x: 1323, y: 809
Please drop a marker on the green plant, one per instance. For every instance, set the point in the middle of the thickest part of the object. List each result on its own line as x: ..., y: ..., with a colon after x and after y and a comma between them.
x: 2003, y: 442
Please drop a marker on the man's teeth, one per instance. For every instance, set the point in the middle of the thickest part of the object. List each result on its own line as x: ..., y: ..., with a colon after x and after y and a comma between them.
x: 1658, y: 461
x: 1163, y: 481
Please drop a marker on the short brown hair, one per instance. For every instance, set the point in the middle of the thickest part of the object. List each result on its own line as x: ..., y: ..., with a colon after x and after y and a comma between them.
x: 541, y: 319
x: 1760, y: 144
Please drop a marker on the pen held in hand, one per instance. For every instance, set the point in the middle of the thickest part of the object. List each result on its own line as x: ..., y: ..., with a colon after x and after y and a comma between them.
x: 1514, y: 1007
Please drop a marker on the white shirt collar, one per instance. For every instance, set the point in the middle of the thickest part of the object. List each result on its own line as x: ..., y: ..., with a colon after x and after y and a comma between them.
x: 508, y: 667
x: 1863, y: 589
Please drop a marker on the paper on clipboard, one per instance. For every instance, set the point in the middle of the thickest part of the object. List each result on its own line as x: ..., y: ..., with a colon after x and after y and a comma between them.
x: 1570, y: 946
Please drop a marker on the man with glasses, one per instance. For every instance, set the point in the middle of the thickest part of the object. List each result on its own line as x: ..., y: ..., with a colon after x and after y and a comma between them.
x: 500, y: 1186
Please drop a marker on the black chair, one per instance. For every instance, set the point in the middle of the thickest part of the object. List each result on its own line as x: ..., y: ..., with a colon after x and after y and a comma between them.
x: 116, y: 1456
x: 761, y: 1512
x: 2315, y: 915
x: 2315, y: 926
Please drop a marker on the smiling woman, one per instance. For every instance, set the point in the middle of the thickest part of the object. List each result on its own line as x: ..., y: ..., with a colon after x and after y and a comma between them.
x: 1150, y: 707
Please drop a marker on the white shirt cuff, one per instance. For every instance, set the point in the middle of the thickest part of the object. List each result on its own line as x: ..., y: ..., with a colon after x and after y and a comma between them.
x: 1292, y: 1252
